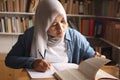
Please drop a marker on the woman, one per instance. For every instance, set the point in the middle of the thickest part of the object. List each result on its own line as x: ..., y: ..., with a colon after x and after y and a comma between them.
x: 50, y: 40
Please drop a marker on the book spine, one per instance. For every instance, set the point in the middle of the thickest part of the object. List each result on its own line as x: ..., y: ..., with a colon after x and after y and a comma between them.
x: 91, y: 27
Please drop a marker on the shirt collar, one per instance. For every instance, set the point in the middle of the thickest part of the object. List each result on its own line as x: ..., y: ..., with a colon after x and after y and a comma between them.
x: 67, y: 35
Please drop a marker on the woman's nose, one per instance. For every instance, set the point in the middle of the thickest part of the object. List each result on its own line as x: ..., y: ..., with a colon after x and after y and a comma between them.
x: 59, y: 27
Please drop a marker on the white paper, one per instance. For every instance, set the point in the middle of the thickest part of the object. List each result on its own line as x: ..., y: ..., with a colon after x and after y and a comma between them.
x: 63, y: 66
x: 103, y: 74
x: 47, y: 74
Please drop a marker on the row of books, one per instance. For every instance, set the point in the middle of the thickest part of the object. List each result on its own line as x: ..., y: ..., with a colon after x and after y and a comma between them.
x: 15, y: 24
x: 92, y: 7
x: 88, y: 27
x: 106, y: 7
x: 112, y: 32
x: 109, y: 30
x: 18, y: 5
x: 86, y: 7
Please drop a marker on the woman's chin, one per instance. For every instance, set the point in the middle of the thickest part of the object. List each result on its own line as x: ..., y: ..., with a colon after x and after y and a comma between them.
x: 60, y: 36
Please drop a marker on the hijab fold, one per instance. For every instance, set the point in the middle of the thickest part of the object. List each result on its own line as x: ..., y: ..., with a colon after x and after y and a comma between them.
x: 46, y: 12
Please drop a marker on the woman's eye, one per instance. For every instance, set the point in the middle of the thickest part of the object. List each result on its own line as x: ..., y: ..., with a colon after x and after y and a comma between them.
x: 63, y: 21
x: 54, y: 24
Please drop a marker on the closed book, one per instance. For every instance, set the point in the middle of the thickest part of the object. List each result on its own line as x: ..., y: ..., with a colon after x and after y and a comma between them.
x: 91, y: 27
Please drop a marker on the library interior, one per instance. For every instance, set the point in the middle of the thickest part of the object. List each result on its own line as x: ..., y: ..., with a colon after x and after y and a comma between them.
x: 97, y: 20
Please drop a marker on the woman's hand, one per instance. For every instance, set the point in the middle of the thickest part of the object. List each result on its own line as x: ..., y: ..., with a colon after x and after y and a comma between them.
x: 97, y: 54
x: 41, y: 65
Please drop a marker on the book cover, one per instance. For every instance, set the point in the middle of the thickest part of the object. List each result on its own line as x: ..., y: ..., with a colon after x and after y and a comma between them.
x: 1, y: 5
x: 10, y: 27
x: 91, y: 27
x: 3, y: 24
x: 10, y: 5
x: 85, y: 28
x: 16, y: 6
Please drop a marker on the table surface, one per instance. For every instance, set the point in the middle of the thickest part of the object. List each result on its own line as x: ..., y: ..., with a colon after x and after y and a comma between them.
x: 23, y: 75
x: 113, y: 70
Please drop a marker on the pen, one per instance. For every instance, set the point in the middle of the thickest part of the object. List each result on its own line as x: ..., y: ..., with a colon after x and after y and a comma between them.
x: 43, y: 57
x: 41, y: 54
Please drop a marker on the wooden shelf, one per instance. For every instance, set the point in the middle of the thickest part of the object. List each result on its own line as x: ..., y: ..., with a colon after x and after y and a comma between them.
x: 24, y: 14
x: 10, y: 34
x: 10, y: 14
x: 111, y: 43
x: 93, y: 16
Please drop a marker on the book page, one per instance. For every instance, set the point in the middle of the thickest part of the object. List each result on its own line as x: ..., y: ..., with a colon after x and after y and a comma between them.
x: 67, y: 71
x: 75, y: 74
x: 63, y: 66
x: 87, y: 70
x: 70, y: 74
x: 90, y: 66
x: 65, y: 75
x: 47, y: 74
x: 102, y: 75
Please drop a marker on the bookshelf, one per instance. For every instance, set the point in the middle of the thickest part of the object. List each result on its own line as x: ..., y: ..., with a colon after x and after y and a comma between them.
x: 101, y: 13
x: 17, y: 21
x: 15, y: 17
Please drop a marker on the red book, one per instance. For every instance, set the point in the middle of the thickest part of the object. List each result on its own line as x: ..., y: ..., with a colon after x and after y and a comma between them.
x: 91, y: 27
x: 80, y: 25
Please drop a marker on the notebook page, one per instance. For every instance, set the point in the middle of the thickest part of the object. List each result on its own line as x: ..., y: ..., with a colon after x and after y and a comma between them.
x: 47, y: 74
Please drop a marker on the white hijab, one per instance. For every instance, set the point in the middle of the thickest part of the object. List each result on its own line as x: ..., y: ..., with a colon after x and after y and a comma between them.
x: 46, y: 12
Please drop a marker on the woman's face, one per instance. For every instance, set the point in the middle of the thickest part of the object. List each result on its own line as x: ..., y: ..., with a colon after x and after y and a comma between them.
x: 58, y: 27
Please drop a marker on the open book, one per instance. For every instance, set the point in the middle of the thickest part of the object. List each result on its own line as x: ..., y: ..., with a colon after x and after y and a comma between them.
x: 87, y: 70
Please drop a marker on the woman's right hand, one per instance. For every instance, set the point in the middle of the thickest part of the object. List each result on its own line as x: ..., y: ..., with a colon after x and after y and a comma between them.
x: 41, y: 65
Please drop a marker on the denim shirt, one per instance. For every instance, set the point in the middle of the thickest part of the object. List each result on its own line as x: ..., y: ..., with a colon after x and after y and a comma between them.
x: 78, y: 49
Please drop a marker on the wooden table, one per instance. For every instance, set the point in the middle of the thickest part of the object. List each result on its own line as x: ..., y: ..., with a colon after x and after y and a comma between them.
x: 21, y: 74
x: 110, y: 69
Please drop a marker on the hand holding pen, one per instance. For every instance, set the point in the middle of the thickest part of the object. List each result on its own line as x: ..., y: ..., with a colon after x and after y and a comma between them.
x: 41, y: 64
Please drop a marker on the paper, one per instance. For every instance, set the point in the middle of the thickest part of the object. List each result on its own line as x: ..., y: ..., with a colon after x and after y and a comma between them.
x: 54, y: 67
x: 47, y: 74
x: 102, y: 74
x: 90, y: 66
x: 63, y: 66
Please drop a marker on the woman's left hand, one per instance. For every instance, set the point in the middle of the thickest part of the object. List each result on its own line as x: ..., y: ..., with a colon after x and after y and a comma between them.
x: 97, y: 54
